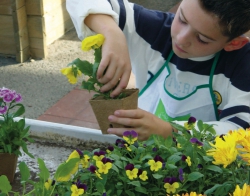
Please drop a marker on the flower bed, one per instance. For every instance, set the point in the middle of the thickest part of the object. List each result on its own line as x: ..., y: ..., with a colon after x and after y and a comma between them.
x: 194, y: 162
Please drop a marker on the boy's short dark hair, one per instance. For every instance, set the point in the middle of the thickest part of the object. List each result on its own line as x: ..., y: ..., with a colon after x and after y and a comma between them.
x: 233, y: 15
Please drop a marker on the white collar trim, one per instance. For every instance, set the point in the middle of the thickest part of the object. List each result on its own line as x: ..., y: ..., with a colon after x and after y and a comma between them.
x: 204, y: 58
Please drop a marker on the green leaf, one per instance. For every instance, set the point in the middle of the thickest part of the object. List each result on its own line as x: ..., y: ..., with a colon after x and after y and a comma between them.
x: 173, y: 159
x: 214, y: 168
x: 141, y: 190
x: 5, y: 186
x: 84, y: 66
x: 128, y: 192
x: 171, y: 166
x: 88, y: 85
x: 200, y: 125
x: 135, y: 183
x: 157, y: 176
x: 20, y: 110
x: 168, y: 142
x: 24, y: 171
x: 44, y: 172
x: 95, y: 68
x: 100, y: 187
x: 65, y: 169
x: 194, y: 176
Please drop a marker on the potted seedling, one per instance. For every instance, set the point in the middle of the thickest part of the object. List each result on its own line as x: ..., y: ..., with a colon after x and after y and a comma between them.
x: 102, y: 104
x: 14, y: 135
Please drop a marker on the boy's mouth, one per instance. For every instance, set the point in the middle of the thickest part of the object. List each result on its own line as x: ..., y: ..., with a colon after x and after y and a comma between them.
x: 178, y: 48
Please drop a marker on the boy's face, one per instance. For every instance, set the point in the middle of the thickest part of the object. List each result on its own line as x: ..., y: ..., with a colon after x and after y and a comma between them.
x: 195, y: 33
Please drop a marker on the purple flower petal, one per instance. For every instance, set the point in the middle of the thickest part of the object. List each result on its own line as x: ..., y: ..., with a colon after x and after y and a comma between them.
x: 191, y: 120
x: 196, y: 141
x: 92, y: 169
x: 18, y: 98
x: 132, y: 134
x: 181, y: 175
x: 9, y: 97
x: 129, y: 167
x: 3, y: 109
x: 158, y: 158
x: 183, y: 158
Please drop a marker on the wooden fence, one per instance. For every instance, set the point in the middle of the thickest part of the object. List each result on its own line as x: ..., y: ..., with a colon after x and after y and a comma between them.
x: 27, y: 27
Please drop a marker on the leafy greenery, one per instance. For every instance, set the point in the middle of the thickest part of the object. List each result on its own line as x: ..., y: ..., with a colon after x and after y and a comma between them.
x: 186, y: 164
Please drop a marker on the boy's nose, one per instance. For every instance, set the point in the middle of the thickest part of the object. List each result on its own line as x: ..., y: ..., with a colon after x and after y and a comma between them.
x: 183, y: 39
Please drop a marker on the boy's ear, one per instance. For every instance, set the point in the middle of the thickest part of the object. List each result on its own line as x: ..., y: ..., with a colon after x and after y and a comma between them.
x: 236, y: 43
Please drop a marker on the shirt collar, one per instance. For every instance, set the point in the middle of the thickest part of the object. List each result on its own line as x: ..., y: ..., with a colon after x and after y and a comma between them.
x: 204, y: 58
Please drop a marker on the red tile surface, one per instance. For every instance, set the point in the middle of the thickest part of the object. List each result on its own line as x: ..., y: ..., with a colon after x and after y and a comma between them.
x: 72, y: 109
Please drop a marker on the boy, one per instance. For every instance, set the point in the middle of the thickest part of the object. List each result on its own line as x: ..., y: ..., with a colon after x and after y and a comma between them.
x: 194, y: 63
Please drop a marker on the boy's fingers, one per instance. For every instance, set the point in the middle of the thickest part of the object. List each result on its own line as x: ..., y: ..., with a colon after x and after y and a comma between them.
x: 102, y: 67
x: 122, y: 84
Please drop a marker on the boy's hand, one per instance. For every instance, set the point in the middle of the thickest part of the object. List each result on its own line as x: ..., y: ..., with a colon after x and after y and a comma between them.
x: 144, y: 123
x: 115, y: 67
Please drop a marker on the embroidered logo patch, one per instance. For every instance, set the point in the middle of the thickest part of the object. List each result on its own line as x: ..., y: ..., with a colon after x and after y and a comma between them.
x: 218, y: 98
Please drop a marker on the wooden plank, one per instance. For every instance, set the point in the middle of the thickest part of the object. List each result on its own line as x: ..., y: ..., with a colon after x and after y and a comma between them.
x: 7, y: 45
x: 18, y: 4
x: 49, y: 6
x: 5, y: 2
x: 20, y: 29
x: 37, y: 43
x: 41, y: 7
x: 55, y: 17
x: 5, y: 10
x: 23, y: 55
x: 59, y: 31
x: 6, y: 26
x: 38, y: 53
x: 34, y: 7
x: 36, y: 26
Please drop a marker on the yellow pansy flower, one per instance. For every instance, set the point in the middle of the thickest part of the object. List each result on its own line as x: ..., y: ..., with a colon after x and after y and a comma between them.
x: 188, y: 160
x: 143, y: 176
x: 69, y: 73
x: 92, y: 42
x: 132, y: 173
x: 47, y: 184
x: 85, y: 161
x: 98, y: 158
x: 171, y: 188
x: 155, y: 166
x: 103, y: 167
x: 75, y: 191
x: 242, y: 192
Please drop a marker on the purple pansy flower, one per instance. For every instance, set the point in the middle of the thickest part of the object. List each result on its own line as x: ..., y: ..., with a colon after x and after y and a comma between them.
x: 129, y: 166
x: 196, y: 141
x: 158, y: 158
x: 181, y: 175
x: 106, y: 160
x: 170, y: 180
x: 131, y: 134
x: 183, y: 158
x: 92, y: 169
x: 101, y: 152
x: 191, y: 120
x: 79, y: 152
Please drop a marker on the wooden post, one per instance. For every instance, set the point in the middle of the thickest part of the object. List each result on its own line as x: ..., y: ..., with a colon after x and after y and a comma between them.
x: 20, y: 30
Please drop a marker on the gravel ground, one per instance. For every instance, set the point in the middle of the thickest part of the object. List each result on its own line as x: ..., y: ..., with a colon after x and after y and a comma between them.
x: 40, y: 82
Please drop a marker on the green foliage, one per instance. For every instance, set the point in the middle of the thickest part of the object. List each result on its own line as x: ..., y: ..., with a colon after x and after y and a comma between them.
x: 89, y: 70
x: 88, y: 170
x: 13, y: 134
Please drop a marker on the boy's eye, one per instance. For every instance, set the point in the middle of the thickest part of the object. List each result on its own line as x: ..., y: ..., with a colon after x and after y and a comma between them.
x: 181, y: 21
x: 200, y: 40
